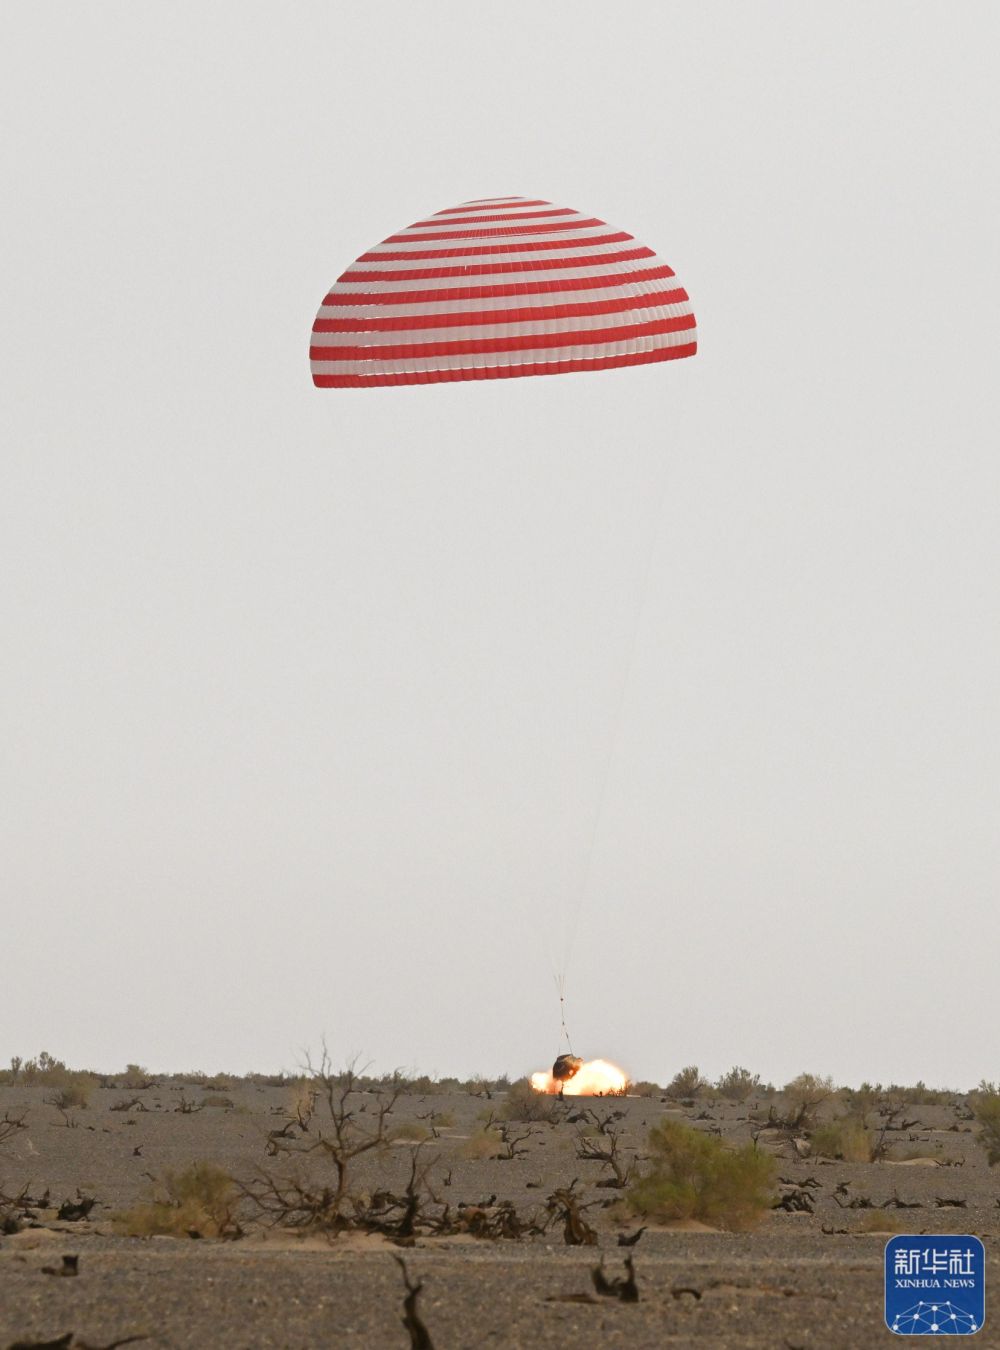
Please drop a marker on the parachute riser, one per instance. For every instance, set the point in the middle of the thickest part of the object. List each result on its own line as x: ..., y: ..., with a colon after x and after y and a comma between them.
x: 563, y: 1028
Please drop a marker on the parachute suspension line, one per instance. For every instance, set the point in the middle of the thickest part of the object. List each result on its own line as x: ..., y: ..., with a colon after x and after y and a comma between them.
x: 564, y: 1030
x: 576, y: 906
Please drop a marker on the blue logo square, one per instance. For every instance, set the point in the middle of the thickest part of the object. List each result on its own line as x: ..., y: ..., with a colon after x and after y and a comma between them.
x: 935, y: 1286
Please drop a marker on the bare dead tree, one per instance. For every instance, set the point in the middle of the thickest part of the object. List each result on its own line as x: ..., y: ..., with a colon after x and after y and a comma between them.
x: 10, y: 1125
x: 305, y: 1106
x: 793, y: 1122
x: 512, y: 1142
x: 605, y: 1147
x: 72, y: 1211
x: 880, y: 1145
x: 340, y: 1137
x: 399, y: 1215
x: 794, y: 1200
x: 272, y: 1147
x: 62, y: 1104
x: 343, y: 1129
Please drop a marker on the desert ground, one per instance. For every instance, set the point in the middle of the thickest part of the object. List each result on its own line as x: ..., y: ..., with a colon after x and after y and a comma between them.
x: 504, y: 1248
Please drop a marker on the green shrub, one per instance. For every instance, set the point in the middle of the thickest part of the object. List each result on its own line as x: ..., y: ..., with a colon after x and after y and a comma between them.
x: 919, y: 1094
x: 696, y: 1176
x: 803, y: 1095
x: 737, y: 1084
x: 198, y: 1202
x: 407, y: 1129
x: 644, y: 1088
x: 135, y: 1076
x: 482, y: 1144
x: 477, y: 1086
x: 302, y: 1101
x: 12, y: 1074
x: 73, y: 1092
x: 421, y: 1085
x: 810, y: 1087
x: 861, y: 1100
x: 846, y: 1138
x: 687, y: 1082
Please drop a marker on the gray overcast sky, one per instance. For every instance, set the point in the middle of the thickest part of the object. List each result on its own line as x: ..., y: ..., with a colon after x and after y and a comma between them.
x: 306, y: 695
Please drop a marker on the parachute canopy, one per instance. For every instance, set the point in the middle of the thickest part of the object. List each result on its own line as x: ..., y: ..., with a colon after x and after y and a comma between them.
x: 498, y: 287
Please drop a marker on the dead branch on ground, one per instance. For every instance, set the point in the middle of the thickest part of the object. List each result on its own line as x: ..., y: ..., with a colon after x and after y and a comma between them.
x: 620, y: 1287
x: 564, y: 1206
x: 420, y: 1337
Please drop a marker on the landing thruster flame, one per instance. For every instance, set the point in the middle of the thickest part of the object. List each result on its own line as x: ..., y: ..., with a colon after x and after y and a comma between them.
x: 594, y: 1078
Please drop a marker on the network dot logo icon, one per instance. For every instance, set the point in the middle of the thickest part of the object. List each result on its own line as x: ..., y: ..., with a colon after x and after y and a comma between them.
x: 934, y: 1319
x: 935, y: 1285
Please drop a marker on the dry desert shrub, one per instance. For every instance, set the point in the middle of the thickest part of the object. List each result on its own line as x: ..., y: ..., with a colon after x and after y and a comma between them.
x: 987, y: 1109
x: 810, y: 1089
x: 68, y: 1088
x: 479, y: 1086
x: 44, y: 1068
x: 262, y: 1080
x: 410, y: 1131
x: 126, y: 1104
x: 302, y: 1102
x: 804, y: 1095
x: 695, y: 1175
x: 861, y: 1100
x: 483, y: 1144
x: 846, y: 1138
x: 870, y: 1096
x: 919, y: 1095
x: 197, y: 1202
x: 863, y: 1133
x: 738, y: 1084
x: 687, y: 1082
x: 523, y: 1103
x: 137, y: 1078
x: 221, y: 1082
x: 218, y: 1099
x: 13, y: 1074
x: 74, y: 1094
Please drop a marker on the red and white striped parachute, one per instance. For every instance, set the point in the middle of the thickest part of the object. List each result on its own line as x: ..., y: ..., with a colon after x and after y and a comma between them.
x: 498, y: 287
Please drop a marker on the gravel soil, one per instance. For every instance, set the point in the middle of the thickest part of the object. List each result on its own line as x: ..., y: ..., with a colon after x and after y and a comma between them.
x: 801, y: 1279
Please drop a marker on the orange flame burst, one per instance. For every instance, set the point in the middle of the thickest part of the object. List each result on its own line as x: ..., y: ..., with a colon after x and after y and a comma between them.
x: 595, y: 1078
